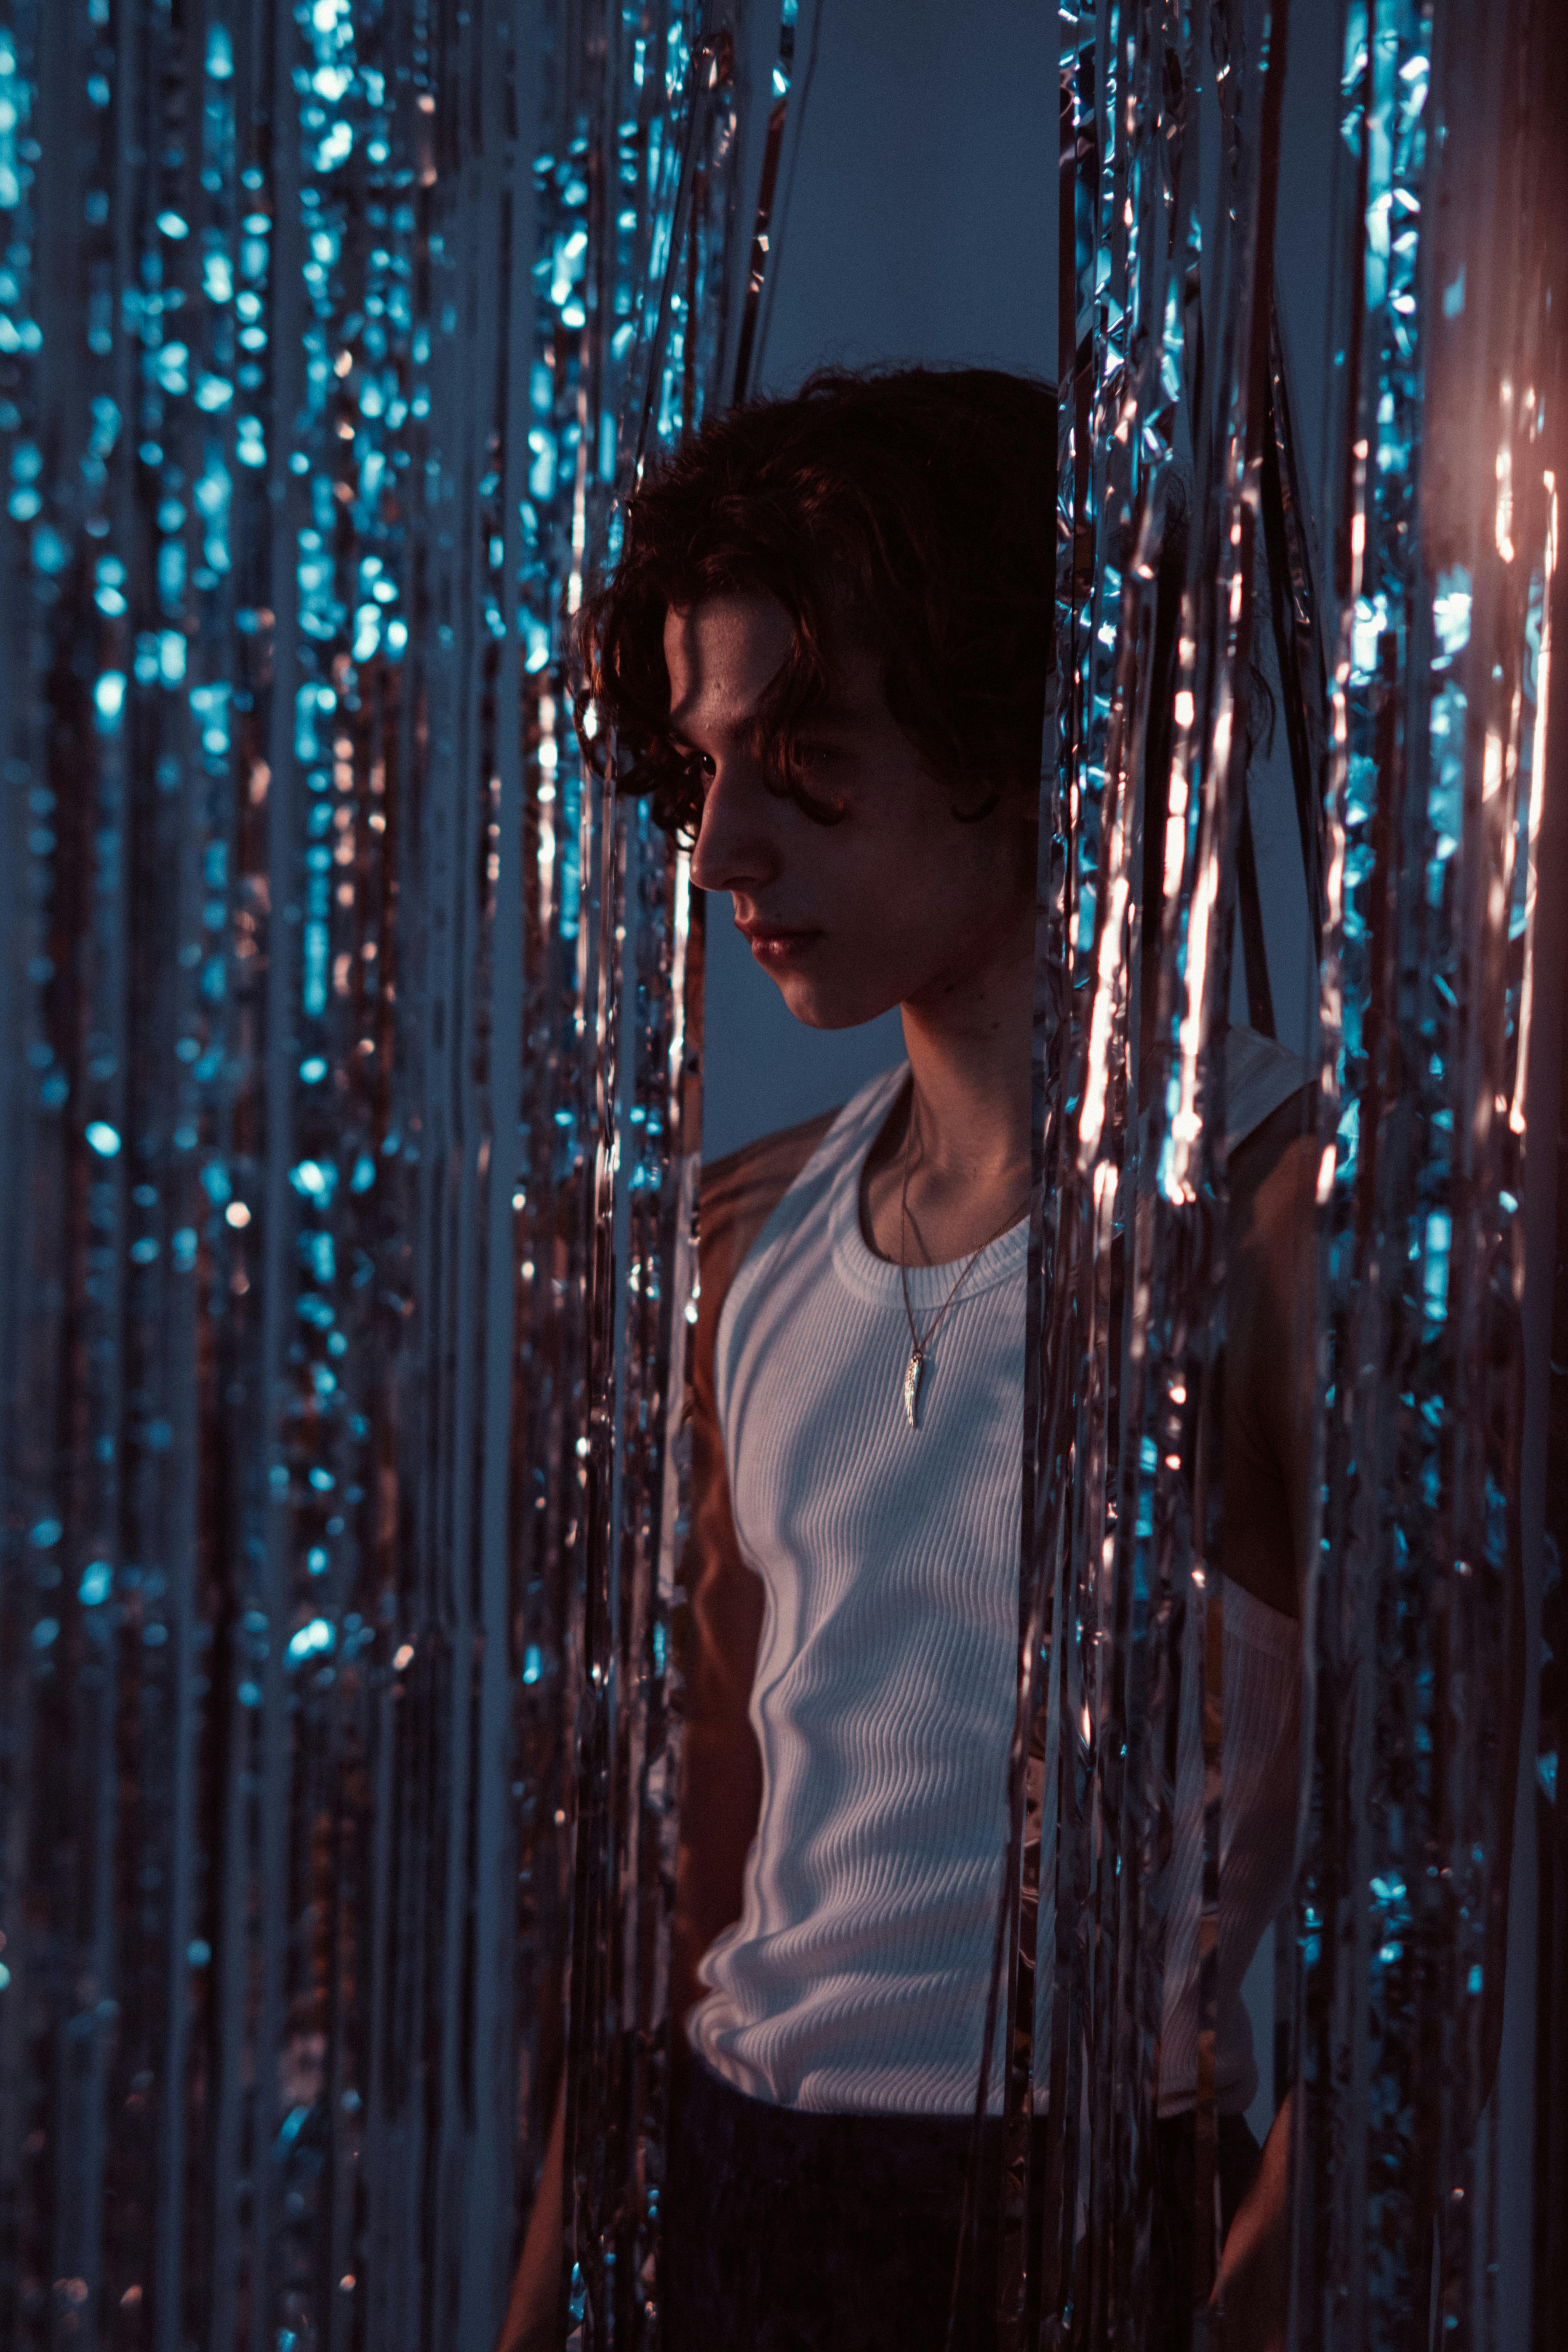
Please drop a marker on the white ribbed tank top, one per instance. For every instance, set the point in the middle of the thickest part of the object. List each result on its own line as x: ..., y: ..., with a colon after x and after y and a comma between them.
x: 855, y: 1980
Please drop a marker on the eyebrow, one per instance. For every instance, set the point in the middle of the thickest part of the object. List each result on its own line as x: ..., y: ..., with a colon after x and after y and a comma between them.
x: 824, y: 714
x: 834, y: 710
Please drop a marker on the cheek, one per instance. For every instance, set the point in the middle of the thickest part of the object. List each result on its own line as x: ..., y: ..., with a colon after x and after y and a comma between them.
x: 929, y: 884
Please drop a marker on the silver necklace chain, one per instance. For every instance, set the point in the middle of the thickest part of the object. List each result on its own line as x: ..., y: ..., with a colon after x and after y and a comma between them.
x: 919, y: 1347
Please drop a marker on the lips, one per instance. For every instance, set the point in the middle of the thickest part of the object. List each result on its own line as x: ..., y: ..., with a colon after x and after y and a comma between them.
x: 777, y: 943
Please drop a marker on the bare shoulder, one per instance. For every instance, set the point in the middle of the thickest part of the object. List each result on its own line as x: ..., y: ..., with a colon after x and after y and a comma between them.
x: 1272, y: 1261
x: 741, y: 1191
x: 1272, y: 1352
x: 1273, y: 1180
x: 771, y: 1158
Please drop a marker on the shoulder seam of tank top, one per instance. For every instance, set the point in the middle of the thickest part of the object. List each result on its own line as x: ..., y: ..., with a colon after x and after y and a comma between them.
x: 1258, y: 1626
x: 870, y: 1102
x: 1259, y: 1075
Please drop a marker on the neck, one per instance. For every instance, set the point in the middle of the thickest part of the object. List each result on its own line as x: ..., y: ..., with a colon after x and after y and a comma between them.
x: 968, y: 1046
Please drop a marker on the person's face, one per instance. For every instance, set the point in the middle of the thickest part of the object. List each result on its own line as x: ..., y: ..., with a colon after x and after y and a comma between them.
x: 897, y: 903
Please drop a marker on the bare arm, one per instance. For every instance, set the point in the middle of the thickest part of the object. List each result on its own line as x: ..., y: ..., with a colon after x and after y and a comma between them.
x: 533, y: 2309
x: 722, y: 1775
x: 721, y: 1794
x: 721, y: 1771
x: 1254, y: 2282
x: 1271, y: 1307
x: 1271, y: 1356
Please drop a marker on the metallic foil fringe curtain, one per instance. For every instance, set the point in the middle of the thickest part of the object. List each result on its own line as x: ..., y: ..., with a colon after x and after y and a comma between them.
x: 347, y: 1089
x: 351, y: 1041
x: 1413, y: 656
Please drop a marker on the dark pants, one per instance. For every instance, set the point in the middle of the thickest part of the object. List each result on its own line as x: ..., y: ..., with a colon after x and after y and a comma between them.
x: 787, y: 2232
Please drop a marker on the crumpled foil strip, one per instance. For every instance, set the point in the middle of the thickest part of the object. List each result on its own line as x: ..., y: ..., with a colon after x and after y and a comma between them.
x: 315, y: 325
x: 1431, y: 761
x: 1120, y: 1478
x: 1442, y: 506
x: 643, y: 1290
x: 1123, y: 1507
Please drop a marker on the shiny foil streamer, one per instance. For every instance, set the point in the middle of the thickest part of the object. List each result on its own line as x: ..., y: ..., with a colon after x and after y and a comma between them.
x: 659, y: 141
x: 1546, y: 1311
x: 1123, y: 1508
x: 315, y: 325
x: 751, y: 320
x: 1443, y: 500
x: 1414, y: 711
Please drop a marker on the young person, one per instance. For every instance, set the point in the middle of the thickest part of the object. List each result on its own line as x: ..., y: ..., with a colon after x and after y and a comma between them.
x: 825, y: 652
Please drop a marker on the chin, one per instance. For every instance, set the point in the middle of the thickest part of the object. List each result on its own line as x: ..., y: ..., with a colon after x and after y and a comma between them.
x: 818, y: 1007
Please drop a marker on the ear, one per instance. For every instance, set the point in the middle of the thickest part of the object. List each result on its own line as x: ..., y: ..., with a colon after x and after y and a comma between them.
x: 981, y: 809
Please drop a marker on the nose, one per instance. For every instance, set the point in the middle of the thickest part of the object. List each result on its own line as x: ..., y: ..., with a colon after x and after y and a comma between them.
x: 737, y: 844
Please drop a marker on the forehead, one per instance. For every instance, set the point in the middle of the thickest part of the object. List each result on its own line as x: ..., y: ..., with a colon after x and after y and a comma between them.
x: 722, y: 656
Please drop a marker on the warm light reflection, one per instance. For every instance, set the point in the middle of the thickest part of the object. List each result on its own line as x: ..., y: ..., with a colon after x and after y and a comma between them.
x: 1186, y: 1127
x: 1537, y: 792
x: 549, y: 756
x: 1358, y: 518
x: 579, y: 506
x: 681, y: 934
x: 1110, y: 968
x: 1106, y: 995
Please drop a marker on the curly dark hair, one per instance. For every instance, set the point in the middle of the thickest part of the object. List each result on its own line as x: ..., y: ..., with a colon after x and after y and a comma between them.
x: 908, y: 511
